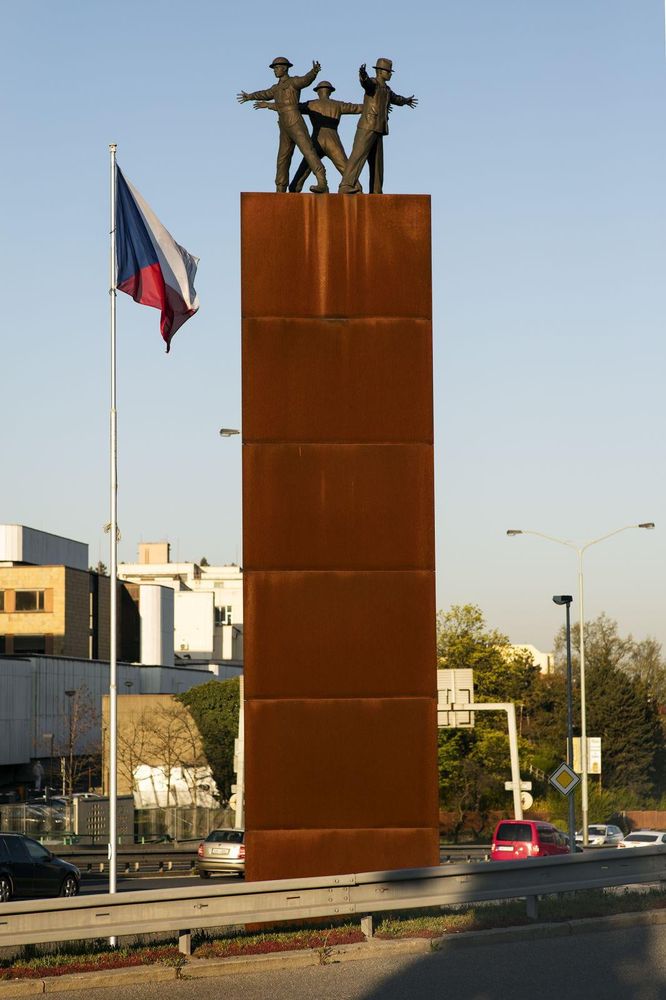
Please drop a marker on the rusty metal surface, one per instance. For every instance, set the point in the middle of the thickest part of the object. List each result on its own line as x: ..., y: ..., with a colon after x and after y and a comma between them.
x: 350, y: 634
x: 338, y: 506
x: 335, y: 256
x: 338, y: 515
x: 337, y: 380
x: 336, y: 763
x: 299, y: 853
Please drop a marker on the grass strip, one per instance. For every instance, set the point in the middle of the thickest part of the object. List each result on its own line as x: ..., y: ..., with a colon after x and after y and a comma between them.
x: 36, y: 962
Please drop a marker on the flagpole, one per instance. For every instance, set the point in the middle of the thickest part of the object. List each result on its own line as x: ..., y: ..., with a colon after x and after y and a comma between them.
x: 113, y: 570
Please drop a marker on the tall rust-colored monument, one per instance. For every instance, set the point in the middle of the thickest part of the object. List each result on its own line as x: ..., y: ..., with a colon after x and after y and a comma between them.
x: 338, y: 552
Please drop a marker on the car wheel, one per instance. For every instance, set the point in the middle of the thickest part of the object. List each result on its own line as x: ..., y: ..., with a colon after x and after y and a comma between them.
x: 5, y: 889
x: 69, y: 887
x: 203, y: 874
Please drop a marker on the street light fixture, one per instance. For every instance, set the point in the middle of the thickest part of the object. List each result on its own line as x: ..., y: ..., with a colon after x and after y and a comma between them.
x: 579, y: 550
x: 227, y: 432
x: 566, y: 600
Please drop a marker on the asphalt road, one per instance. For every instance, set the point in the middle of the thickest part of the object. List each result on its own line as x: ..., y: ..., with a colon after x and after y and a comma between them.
x: 91, y: 885
x: 608, y: 965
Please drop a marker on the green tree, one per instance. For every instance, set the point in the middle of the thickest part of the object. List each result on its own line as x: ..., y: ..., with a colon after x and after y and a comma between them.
x: 646, y: 664
x: 214, y: 707
x: 622, y: 677
x: 501, y: 672
x: 474, y: 763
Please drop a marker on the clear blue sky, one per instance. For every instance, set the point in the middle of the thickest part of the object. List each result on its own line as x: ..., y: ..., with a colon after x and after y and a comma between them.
x: 540, y: 135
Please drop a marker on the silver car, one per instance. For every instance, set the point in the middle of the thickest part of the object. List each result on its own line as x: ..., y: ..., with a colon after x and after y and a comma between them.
x: 644, y: 838
x: 221, y: 853
x: 601, y: 835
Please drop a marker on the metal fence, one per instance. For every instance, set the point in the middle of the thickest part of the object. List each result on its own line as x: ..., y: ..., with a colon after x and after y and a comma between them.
x: 82, y: 823
x: 334, y: 896
x: 35, y: 820
x: 179, y: 822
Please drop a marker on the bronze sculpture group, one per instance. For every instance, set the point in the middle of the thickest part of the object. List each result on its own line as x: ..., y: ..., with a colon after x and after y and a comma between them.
x: 325, y: 113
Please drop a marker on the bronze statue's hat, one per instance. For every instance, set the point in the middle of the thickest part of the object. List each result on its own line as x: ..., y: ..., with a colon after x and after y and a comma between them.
x: 280, y: 61
x: 326, y: 84
x: 384, y: 64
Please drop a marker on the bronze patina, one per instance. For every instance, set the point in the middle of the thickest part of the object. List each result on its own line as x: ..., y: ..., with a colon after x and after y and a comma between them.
x: 372, y: 127
x: 324, y: 113
x: 293, y: 131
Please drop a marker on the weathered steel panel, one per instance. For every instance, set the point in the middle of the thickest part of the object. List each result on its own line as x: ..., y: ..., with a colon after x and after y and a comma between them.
x: 329, y: 506
x: 349, y: 634
x: 299, y: 853
x: 341, y: 763
x: 336, y: 256
x: 334, y: 380
x: 338, y: 513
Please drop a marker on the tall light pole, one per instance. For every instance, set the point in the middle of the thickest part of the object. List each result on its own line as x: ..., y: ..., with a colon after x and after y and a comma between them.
x: 67, y: 779
x: 239, y: 812
x: 579, y: 550
x: 566, y: 599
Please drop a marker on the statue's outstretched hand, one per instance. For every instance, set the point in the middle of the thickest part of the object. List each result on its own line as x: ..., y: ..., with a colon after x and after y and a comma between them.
x: 412, y: 101
x: 362, y: 72
x: 260, y: 104
x: 316, y: 65
x: 242, y: 97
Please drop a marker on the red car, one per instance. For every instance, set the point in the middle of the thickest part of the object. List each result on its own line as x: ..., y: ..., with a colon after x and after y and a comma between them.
x: 518, y: 839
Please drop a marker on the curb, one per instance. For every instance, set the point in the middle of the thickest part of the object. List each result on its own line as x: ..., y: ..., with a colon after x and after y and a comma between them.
x: 203, y: 968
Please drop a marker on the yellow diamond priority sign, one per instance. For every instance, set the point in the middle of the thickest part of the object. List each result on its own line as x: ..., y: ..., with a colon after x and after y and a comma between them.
x: 564, y: 779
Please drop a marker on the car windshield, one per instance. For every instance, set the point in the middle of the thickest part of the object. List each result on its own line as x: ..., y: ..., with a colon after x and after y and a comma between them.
x: 643, y: 838
x: 513, y: 831
x: 596, y: 831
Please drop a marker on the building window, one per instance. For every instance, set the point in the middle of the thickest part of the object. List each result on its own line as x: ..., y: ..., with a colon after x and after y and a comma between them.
x: 30, y: 644
x: 223, y: 615
x: 2, y: 600
x: 29, y: 600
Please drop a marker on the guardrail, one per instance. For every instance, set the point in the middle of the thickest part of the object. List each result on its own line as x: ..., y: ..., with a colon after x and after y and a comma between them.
x: 184, y: 910
x: 159, y: 859
x: 155, y: 861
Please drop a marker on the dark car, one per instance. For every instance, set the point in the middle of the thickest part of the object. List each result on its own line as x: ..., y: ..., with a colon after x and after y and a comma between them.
x: 222, y: 853
x: 29, y: 869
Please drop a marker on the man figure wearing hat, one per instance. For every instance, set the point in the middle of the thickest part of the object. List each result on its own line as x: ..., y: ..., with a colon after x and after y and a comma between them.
x: 293, y: 131
x: 325, y: 114
x: 372, y: 127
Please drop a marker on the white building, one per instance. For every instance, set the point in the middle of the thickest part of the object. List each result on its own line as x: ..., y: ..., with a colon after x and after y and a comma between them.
x: 208, y: 606
x: 544, y: 661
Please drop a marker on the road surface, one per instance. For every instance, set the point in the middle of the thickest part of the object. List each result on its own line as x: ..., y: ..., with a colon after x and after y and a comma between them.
x: 607, y: 965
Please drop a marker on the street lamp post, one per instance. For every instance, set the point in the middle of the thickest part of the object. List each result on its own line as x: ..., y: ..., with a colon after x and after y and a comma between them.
x: 579, y: 550
x: 239, y: 812
x: 50, y: 738
x: 566, y: 599
x: 67, y: 778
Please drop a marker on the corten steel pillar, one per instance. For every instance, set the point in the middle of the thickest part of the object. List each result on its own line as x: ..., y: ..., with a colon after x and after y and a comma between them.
x: 338, y: 549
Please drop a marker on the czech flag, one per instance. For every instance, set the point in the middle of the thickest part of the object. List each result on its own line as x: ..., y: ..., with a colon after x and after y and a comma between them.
x: 152, y: 267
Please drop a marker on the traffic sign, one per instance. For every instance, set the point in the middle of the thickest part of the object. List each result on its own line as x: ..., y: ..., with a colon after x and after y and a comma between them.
x: 593, y: 754
x: 526, y: 800
x: 564, y: 779
x: 455, y: 687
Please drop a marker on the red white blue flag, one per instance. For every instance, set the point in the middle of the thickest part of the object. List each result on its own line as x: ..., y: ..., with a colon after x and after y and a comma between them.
x: 152, y: 267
